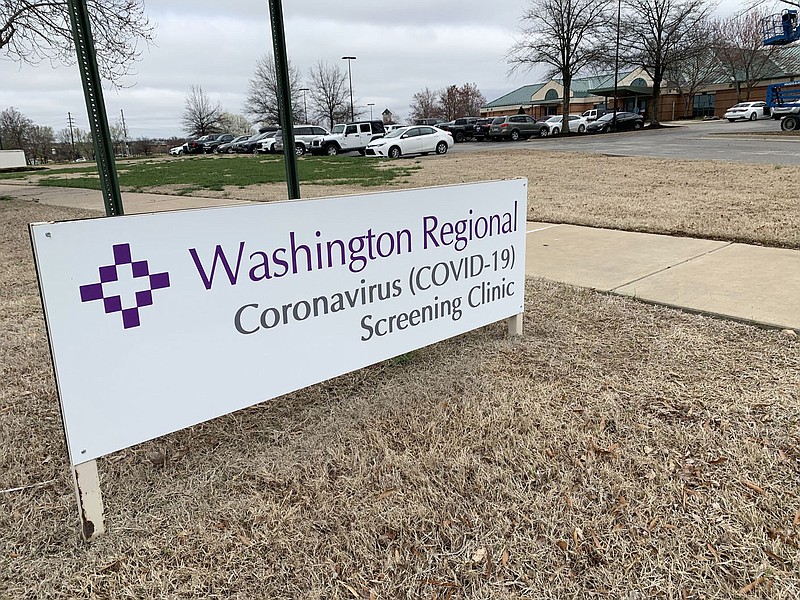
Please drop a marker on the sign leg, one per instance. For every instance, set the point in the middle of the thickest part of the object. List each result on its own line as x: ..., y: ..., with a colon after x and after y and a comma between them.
x: 90, y: 500
x: 515, y: 325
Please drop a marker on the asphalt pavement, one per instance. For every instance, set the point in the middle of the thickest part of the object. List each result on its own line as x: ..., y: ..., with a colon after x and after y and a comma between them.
x: 742, y: 141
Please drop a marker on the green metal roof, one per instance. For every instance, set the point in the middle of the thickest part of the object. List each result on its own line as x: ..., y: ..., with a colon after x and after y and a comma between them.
x: 520, y: 96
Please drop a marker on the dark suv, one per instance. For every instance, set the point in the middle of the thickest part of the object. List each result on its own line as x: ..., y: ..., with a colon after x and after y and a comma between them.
x: 196, y: 146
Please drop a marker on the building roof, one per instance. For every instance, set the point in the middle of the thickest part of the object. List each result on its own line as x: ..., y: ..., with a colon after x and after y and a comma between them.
x: 520, y: 96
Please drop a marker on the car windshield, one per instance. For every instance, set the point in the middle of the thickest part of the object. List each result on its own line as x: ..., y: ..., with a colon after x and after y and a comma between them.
x: 555, y: 119
x: 338, y: 129
x: 396, y: 132
x: 739, y: 106
x: 607, y: 117
x: 498, y: 120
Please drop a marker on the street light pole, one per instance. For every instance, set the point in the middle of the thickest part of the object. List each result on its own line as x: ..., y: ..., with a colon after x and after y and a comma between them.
x: 305, y: 106
x: 350, y: 77
x: 370, y: 104
x: 616, y: 66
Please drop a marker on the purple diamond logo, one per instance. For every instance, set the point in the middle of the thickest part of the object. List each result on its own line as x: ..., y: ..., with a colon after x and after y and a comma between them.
x: 125, y: 286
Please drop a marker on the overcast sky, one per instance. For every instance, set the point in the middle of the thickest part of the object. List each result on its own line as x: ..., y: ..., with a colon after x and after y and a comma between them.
x: 400, y: 48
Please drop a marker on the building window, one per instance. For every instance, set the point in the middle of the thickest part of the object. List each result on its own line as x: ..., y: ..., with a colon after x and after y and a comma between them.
x: 551, y: 95
x: 703, y: 105
x: 639, y: 82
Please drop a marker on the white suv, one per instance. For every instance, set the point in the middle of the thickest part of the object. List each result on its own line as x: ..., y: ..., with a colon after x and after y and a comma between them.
x: 354, y: 137
x: 303, y: 136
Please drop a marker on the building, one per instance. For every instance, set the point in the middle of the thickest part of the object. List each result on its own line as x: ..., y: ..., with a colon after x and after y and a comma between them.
x: 635, y: 87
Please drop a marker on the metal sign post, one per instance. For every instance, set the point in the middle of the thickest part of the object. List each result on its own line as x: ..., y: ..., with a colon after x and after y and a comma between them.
x: 84, y: 475
x: 93, y: 93
x: 284, y: 97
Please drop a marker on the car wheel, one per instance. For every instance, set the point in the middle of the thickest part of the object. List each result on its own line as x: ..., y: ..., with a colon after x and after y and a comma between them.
x: 637, y: 124
x: 514, y: 135
x: 544, y: 132
x: 441, y: 148
x: 606, y: 129
x: 581, y: 128
x: 394, y: 152
x: 556, y: 131
x: 331, y: 150
x: 731, y: 120
x: 790, y: 123
x: 753, y: 116
x: 299, y: 149
x: 459, y: 136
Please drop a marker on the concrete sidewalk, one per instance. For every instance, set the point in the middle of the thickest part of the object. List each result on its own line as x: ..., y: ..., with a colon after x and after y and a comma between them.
x: 739, y: 281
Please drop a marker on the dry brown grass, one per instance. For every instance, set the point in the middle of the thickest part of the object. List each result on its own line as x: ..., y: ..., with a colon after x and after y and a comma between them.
x: 615, y: 450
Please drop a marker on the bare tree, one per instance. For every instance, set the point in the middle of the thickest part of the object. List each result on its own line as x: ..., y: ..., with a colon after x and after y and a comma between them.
x: 463, y: 101
x: 14, y: 129
x: 658, y: 35
x: 696, y: 72
x: 200, y: 116
x: 40, y: 144
x: 329, y: 93
x: 739, y: 48
x: 565, y: 35
x: 425, y: 105
x: 35, y: 30
x: 262, y: 92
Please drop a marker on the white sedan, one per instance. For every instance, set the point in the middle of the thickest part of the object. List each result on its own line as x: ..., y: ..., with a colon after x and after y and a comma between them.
x: 416, y: 139
x: 577, y: 124
x: 177, y: 150
x: 746, y: 110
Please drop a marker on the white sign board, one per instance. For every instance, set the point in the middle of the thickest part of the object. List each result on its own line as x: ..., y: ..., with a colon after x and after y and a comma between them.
x: 11, y: 159
x: 162, y: 321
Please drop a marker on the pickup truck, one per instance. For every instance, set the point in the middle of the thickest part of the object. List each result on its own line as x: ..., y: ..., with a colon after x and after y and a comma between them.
x: 462, y: 128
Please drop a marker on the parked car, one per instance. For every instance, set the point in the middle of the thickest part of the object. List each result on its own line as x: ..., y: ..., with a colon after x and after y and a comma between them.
x: 250, y: 145
x: 353, y: 137
x: 422, y: 139
x: 211, y: 145
x: 593, y: 114
x: 625, y: 120
x: 303, y: 136
x: 516, y: 127
x: 196, y: 146
x: 746, y: 110
x: 266, y: 145
x: 576, y: 123
x: 178, y: 150
x: 228, y: 147
x: 482, y: 127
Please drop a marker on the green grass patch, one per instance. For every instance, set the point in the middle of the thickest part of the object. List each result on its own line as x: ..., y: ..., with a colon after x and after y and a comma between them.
x: 213, y: 173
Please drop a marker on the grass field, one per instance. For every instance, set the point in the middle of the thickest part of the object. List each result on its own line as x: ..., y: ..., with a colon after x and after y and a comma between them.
x: 615, y: 450
x: 194, y: 174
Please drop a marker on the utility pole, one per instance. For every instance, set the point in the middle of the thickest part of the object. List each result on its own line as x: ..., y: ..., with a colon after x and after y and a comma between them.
x: 350, y: 76
x: 71, y: 136
x: 124, y: 134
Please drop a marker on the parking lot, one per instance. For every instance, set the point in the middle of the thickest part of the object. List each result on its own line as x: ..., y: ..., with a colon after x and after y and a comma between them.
x: 743, y: 141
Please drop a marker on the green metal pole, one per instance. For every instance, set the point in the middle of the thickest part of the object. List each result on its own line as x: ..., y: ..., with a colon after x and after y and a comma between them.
x: 284, y: 97
x: 93, y: 93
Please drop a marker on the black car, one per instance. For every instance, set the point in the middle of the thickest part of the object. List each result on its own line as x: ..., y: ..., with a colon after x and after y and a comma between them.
x: 222, y: 138
x: 250, y: 145
x: 625, y: 120
x: 196, y: 146
x: 482, y: 127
